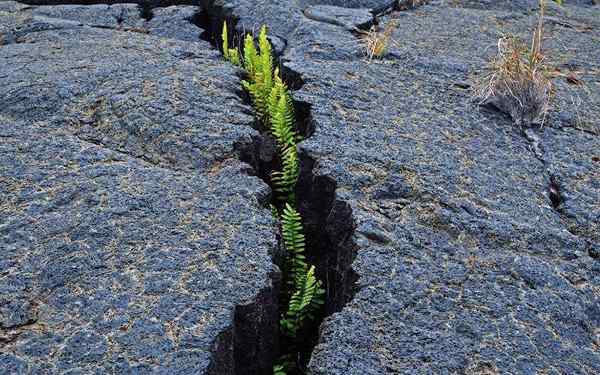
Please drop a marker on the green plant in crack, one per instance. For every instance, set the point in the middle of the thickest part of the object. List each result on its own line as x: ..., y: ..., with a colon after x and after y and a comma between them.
x: 307, y: 291
x: 259, y: 65
x: 231, y: 54
x: 279, y: 370
x: 281, y: 116
x: 303, y: 294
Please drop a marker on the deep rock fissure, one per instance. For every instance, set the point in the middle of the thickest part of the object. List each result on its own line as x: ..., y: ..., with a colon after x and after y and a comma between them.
x: 328, y: 221
x: 146, y: 11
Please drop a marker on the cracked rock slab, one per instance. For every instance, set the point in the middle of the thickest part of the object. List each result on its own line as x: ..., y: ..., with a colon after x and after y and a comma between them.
x: 464, y: 264
x: 132, y: 240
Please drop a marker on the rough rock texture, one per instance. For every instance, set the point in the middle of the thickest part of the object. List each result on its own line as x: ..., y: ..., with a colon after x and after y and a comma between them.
x: 150, y: 3
x: 477, y: 243
x: 132, y: 240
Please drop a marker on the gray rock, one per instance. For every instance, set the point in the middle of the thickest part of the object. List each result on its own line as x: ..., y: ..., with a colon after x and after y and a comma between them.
x: 150, y: 3
x: 132, y: 238
x: 285, y: 17
x: 134, y: 241
x: 348, y: 18
x: 118, y: 15
x: 464, y: 263
x: 175, y: 22
x: 376, y: 5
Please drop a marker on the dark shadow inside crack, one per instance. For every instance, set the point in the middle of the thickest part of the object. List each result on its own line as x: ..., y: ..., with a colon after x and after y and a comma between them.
x: 554, y: 192
x: 146, y: 11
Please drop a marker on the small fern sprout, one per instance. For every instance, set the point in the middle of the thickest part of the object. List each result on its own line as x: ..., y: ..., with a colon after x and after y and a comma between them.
x: 266, y: 53
x: 250, y: 56
x: 230, y: 54
x: 307, y: 298
x: 225, y: 40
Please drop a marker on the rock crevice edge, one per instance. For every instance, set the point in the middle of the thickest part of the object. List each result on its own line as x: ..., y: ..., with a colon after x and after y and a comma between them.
x: 328, y: 221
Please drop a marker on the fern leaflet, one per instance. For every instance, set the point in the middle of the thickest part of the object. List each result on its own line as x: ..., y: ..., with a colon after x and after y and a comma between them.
x: 294, y: 241
x: 308, y: 297
x: 230, y: 54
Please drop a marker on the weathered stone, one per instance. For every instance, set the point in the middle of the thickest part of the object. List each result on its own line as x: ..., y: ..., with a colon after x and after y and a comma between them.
x: 348, y: 18
x: 175, y: 22
x: 464, y: 263
x: 118, y: 15
x: 132, y: 240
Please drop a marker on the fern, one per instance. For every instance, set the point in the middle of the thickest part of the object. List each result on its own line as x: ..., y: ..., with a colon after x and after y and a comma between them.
x: 230, y: 54
x: 281, y: 116
x: 274, y: 105
x: 259, y: 65
x: 250, y: 56
x: 281, y: 113
x: 294, y: 241
x: 307, y: 292
x: 307, y: 298
x: 266, y: 67
x: 225, y: 39
x: 285, y: 180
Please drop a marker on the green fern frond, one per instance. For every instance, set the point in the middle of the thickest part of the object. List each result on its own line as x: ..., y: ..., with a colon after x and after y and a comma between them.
x: 281, y: 114
x: 308, y: 295
x: 259, y: 65
x: 285, y: 180
x: 250, y: 56
x: 266, y: 62
x: 230, y: 54
x: 225, y: 39
x: 294, y: 241
x: 307, y: 298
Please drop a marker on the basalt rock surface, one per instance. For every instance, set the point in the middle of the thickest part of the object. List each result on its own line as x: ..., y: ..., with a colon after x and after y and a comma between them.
x: 133, y: 239
x: 476, y: 240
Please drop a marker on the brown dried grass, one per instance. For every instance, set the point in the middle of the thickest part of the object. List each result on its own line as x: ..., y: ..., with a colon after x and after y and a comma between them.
x: 518, y: 81
x: 375, y: 42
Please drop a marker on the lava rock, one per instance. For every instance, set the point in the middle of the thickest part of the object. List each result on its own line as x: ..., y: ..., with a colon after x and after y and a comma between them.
x: 463, y: 263
x: 132, y: 238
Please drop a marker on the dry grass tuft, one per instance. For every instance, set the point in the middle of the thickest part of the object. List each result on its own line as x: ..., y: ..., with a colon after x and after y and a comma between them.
x: 375, y: 42
x: 517, y: 81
